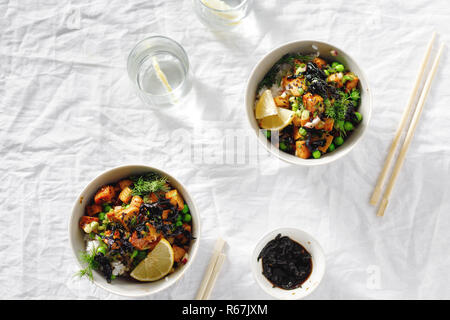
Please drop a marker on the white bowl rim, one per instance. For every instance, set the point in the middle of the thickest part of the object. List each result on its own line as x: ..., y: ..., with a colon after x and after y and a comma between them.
x: 255, y: 265
x: 288, y: 157
x: 192, y: 252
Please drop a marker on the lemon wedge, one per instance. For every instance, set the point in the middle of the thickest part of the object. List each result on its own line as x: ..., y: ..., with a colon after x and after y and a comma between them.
x: 279, y: 121
x: 156, y: 265
x: 266, y: 106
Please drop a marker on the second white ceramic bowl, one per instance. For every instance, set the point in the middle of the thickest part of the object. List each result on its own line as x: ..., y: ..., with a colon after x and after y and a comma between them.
x: 318, y: 264
x: 76, y: 235
x: 306, y: 47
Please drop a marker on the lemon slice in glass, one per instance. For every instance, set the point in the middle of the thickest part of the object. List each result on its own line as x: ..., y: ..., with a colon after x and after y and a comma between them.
x: 279, y: 121
x: 156, y: 265
x: 161, y: 76
x: 266, y: 106
x: 227, y: 13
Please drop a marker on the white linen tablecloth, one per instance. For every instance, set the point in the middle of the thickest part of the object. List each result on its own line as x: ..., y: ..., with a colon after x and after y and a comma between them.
x: 68, y: 112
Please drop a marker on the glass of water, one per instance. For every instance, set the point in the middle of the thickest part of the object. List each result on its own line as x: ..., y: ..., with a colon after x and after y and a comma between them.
x: 222, y: 14
x: 159, y: 70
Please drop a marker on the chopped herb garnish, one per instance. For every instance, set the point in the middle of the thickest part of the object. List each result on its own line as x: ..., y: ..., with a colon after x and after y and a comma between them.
x: 89, y: 259
x: 152, y: 182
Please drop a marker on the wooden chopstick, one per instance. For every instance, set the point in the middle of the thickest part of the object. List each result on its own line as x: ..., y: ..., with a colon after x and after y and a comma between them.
x: 218, y: 247
x: 378, y: 188
x: 214, y: 275
x: 410, y: 134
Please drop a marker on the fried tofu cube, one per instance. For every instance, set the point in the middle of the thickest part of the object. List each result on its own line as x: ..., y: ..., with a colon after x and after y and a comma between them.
x: 165, y: 214
x: 312, y: 102
x: 123, y: 215
x: 125, y: 183
x: 175, y: 198
x: 297, y: 135
x: 337, y: 79
x: 301, y: 150
x: 351, y: 84
x: 294, y: 85
x: 147, y: 242
x: 329, y: 123
x: 153, y: 197
x: 104, y: 195
x: 281, y: 102
x: 320, y: 63
x: 94, y: 209
x: 178, y: 253
x: 328, y: 140
x: 125, y: 195
x: 136, y: 201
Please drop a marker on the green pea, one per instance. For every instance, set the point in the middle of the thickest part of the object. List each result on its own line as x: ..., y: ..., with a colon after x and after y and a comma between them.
x: 348, y: 126
x: 283, y: 146
x: 268, y: 134
x: 339, y: 140
x: 340, y: 68
x: 185, y: 209
x: 107, y: 208
x: 179, y: 224
x: 102, y: 250
x: 331, y: 147
x: 302, y: 131
x: 358, y: 116
x: 316, y: 154
x: 327, y: 72
x: 335, y: 64
x: 179, y: 217
x: 134, y: 254
x: 187, y: 217
x: 113, y: 277
x: 101, y: 216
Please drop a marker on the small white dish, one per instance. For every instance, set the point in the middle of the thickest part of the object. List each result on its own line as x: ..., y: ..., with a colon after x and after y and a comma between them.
x: 122, y: 286
x: 318, y: 264
x: 305, y: 47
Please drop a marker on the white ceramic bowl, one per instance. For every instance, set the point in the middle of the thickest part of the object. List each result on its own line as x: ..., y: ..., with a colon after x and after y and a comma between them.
x: 76, y: 235
x: 318, y: 263
x: 305, y: 47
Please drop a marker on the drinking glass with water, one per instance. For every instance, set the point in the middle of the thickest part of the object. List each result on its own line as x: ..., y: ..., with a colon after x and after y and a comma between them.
x: 159, y: 70
x: 222, y: 14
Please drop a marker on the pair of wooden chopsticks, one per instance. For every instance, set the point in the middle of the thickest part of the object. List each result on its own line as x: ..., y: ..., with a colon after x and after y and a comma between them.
x: 215, y: 264
x: 410, y: 133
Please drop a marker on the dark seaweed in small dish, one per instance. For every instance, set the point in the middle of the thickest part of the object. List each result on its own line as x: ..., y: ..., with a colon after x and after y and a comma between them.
x: 286, y: 263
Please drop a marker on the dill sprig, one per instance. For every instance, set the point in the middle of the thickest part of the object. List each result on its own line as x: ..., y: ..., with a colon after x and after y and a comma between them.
x: 151, y: 182
x: 91, y: 264
x: 338, y: 110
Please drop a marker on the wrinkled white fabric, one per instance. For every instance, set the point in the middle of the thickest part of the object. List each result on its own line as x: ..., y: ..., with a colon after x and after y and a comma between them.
x: 68, y: 113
